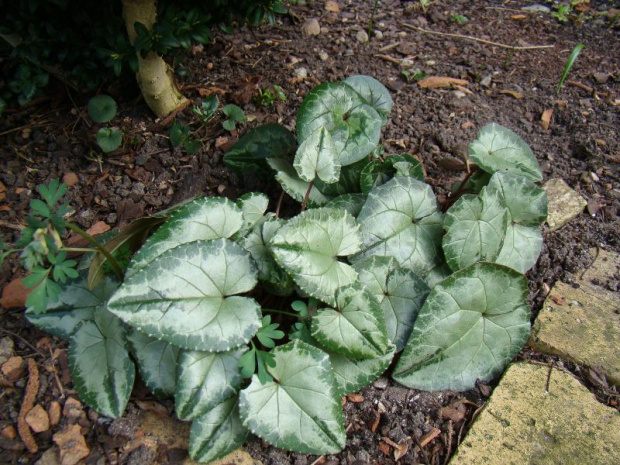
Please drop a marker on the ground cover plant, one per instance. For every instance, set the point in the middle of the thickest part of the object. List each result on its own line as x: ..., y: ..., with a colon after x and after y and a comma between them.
x: 371, y: 269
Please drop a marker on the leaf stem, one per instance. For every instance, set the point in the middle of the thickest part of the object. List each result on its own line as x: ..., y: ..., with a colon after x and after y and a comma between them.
x: 78, y: 249
x: 273, y: 310
x: 118, y: 271
x: 304, y: 205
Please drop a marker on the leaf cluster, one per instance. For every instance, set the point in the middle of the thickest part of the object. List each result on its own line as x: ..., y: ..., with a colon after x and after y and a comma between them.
x: 377, y: 274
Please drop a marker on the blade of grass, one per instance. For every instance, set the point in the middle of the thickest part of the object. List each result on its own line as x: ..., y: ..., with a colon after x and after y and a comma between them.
x: 569, y: 64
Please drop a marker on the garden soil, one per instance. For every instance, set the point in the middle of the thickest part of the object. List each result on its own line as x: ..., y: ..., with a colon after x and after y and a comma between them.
x: 510, y: 62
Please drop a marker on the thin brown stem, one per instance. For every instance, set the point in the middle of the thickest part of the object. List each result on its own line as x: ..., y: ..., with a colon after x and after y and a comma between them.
x: 118, y: 271
x: 304, y: 205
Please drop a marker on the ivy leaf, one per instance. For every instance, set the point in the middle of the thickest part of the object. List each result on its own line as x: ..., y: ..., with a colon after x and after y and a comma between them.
x: 300, y: 410
x: 101, y: 369
x: 203, y: 219
x: 217, y: 433
x: 471, y: 325
x: 373, y: 93
x: 399, y: 291
x: 497, y: 148
x: 400, y: 219
x: 317, y: 156
x: 157, y: 362
x: 205, y: 380
x: 308, y: 245
x: 357, y: 329
x: 293, y: 185
x: 352, y: 374
x: 475, y: 229
x: 186, y: 296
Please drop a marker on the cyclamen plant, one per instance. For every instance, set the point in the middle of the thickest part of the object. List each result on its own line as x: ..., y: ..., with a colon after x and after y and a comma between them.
x: 373, y: 267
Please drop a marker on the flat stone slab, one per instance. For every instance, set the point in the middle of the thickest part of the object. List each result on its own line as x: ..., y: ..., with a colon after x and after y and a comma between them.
x: 564, y: 203
x: 524, y: 423
x: 582, y: 324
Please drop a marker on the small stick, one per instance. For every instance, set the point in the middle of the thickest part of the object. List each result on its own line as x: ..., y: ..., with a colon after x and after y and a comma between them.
x: 461, y: 36
x: 548, y: 377
x: 396, y: 61
x: 580, y: 85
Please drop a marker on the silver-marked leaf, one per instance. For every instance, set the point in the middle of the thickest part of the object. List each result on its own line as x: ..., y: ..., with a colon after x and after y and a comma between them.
x: 203, y: 219
x: 75, y: 304
x: 399, y: 291
x: 186, y: 296
x: 357, y: 329
x: 300, y: 410
x: 205, y: 380
x: 217, y: 433
x: 379, y: 172
x: 522, y: 246
x: 373, y: 93
x: 352, y: 203
x: 400, y: 219
x: 253, y: 206
x: 348, y: 183
x: 101, y: 369
x: 308, y: 247
x: 352, y: 374
x: 317, y: 156
x: 355, y: 126
x: 471, y: 325
x: 475, y: 229
x: 526, y: 201
x: 497, y: 148
x: 157, y: 362
x: 293, y: 185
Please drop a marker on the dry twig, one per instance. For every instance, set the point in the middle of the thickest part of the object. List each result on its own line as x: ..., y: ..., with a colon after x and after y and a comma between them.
x: 32, y: 388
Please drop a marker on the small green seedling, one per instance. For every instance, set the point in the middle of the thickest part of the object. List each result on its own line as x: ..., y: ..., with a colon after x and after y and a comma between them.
x: 459, y: 19
x: 234, y: 115
x: 180, y: 137
x: 569, y: 64
x: 267, y: 97
x: 413, y: 75
x: 109, y: 139
x: 101, y: 109
x: 207, y: 109
x: 425, y: 4
x: 562, y: 12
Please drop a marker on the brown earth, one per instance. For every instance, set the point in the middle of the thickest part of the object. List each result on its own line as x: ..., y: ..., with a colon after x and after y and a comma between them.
x: 52, y: 138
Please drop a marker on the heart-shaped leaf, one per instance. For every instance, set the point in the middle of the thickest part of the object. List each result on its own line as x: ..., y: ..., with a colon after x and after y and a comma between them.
x: 521, y: 248
x: 205, y: 380
x: 471, y: 325
x: 203, y: 219
x: 253, y: 206
x: 157, y: 362
x: 400, y: 219
x: 101, y: 369
x: 348, y: 183
x: 352, y: 203
x: 526, y: 201
x: 109, y: 139
x: 352, y: 374
x: 475, y: 229
x: 317, y: 156
x: 497, y: 148
x: 101, y: 108
x: 379, y: 172
x: 399, y: 291
x: 308, y: 247
x: 373, y: 93
x: 186, y: 296
x: 217, y: 433
x: 300, y: 410
x: 293, y: 185
x: 357, y: 329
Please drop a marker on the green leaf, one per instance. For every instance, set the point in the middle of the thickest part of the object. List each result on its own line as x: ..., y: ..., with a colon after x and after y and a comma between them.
x: 373, y: 93
x: 203, y: 219
x: 354, y: 126
x: 45, y: 292
x: 205, y: 380
x: 475, y: 229
x: 352, y: 374
x: 217, y: 433
x: 317, y: 156
x: 268, y: 332
x: 234, y: 113
x: 521, y: 248
x: 379, y: 172
x: 157, y: 362
x: 109, y: 139
x: 253, y: 206
x: 348, y: 183
x: 178, y: 134
x: 357, y: 329
x: 352, y: 203
x: 192, y: 146
x: 253, y: 149
x: 400, y: 219
x: 101, y: 369
x: 471, y: 326
x: 229, y: 125
x: 101, y: 108
x: 308, y: 247
x: 53, y: 192
x: 300, y: 410
x: 497, y: 148
x: 526, y: 201
x: 399, y: 291
x: 186, y: 296
x: 293, y: 185
x: 569, y: 63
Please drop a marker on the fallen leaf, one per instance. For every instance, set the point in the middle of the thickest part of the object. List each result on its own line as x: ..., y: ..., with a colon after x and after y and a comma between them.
x: 383, y: 447
x: 399, y: 449
x: 518, y: 17
x: 37, y: 419
x: 545, y: 119
x: 376, y: 421
x: 2, y: 191
x: 72, y: 445
x: 205, y: 92
x: 434, y: 82
x: 332, y: 6
x: 32, y: 388
x: 512, y: 93
x: 14, y: 294
x: 152, y: 406
x: 5, y: 208
x: 355, y: 398
x: 70, y: 179
x: 430, y: 436
x: 467, y: 124
x: 99, y: 227
x: 465, y: 90
x: 246, y: 89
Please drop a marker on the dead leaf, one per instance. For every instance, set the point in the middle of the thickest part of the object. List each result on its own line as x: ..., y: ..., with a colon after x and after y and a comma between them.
x: 383, y: 447
x: 72, y: 445
x: 430, y: 436
x: 70, y: 179
x: 467, y: 124
x: 152, y: 406
x: 5, y: 208
x: 72, y: 408
x: 246, y: 89
x: 512, y: 93
x: 518, y: 17
x: 205, y: 92
x: 2, y: 191
x: 37, y: 419
x: 32, y: 388
x: 14, y: 294
x: 376, y: 421
x: 545, y: 119
x: 332, y: 6
x: 98, y: 228
x: 451, y: 413
x: 465, y: 90
x: 399, y: 449
x: 355, y: 398
x: 433, y: 82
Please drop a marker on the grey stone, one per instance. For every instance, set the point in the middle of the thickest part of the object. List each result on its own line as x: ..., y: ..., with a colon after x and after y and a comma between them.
x: 486, y: 81
x: 537, y: 8
x: 311, y: 27
x: 362, y: 36
x: 7, y: 348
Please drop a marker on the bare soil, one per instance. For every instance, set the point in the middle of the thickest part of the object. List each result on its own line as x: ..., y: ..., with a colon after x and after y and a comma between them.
x: 52, y: 138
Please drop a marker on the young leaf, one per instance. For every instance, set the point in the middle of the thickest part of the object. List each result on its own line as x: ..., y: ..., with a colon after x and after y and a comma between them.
x: 373, y: 93
x: 497, y: 148
x: 568, y: 66
x: 109, y: 139
x: 234, y: 113
x: 186, y: 296
x: 317, y: 156
x: 217, y: 433
x: 44, y: 292
x: 52, y: 193
x: 205, y: 380
x: 293, y: 185
x: 268, y: 332
x: 308, y: 246
x: 300, y: 410
x: 101, y: 369
x: 471, y: 325
x: 101, y: 108
x: 178, y: 134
